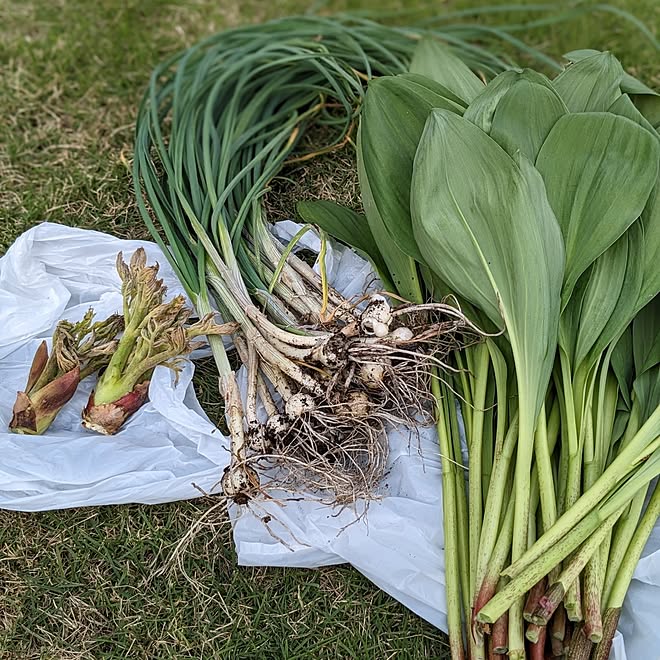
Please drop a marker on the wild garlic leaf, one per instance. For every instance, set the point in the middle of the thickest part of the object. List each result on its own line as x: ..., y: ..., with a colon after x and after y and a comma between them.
x: 522, y: 115
x: 483, y: 223
x: 437, y: 61
x: 394, y: 114
x: 591, y: 84
x: 599, y: 170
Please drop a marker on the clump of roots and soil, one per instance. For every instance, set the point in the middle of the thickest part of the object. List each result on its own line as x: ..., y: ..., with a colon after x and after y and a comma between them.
x: 331, y: 395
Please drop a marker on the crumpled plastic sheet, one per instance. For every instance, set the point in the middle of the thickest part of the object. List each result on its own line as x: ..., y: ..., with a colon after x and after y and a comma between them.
x: 53, y: 272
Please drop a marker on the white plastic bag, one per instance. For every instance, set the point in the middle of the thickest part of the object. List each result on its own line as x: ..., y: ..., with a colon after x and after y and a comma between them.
x: 53, y: 272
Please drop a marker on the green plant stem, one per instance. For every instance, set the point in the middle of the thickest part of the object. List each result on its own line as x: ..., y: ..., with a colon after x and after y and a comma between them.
x: 466, y: 390
x: 461, y: 501
x: 561, y: 549
x: 569, y: 426
x: 203, y: 307
x: 572, y: 570
x: 449, y: 475
x: 595, y: 571
x: 592, y: 593
x: 549, y: 517
x: 480, y: 364
x: 640, y: 537
x: 573, y: 601
x: 610, y: 622
x: 621, y: 538
x: 614, y: 474
x: 522, y: 487
x: 488, y: 439
x: 494, y: 505
x: 499, y: 556
x: 543, y: 453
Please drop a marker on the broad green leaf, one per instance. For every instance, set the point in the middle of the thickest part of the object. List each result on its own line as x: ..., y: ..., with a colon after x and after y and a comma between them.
x: 644, y: 98
x: 629, y: 84
x: 593, y: 301
x: 524, y: 116
x: 649, y: 106
x: 591, y: 84
x: 482, y: 109
x: 624, y: 107
x: 627, y: 250
x: 402, y: 269
x: 646, y: 337
x: 622, y: 364
x: 484, y: 225
x: 581, y: 54
x: 620, y: 424
x: 650, y: 223
x: 599, y: 170
x: 517, y: 109
x: 647, y: 391
x: 641, y: 282
x: 347, y: 226
x: 437, y: 61
x: 569, y: 321
x: 393, y: 117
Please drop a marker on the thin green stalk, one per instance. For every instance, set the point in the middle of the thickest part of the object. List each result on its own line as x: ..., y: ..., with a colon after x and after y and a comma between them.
x: 564, y: 546
x: 501, y: 382
x: 525, y: 580
x: 500, y: 554
x: 575, y: 394
x: 614, y: 474
x: 565, y: 388
x: 617, y: 593
x: 592, y: 594
x: 479, y: 378
x: 285, y: 254
x: 466, y: 391
x: 452, y: 578
x: 595, y: 571
x: 621, y: 539
x: 488, y: 451
x: 624, y: 576
x: 543, y: 455
x: 494, y: 504
x: 522, y: 487
x: 461, y: 504
x: 571, y: 572
x: 203, y: 306
x: 562, y: 467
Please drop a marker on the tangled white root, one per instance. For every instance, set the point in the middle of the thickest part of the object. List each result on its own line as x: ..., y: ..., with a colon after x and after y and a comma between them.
x: 375, y: 373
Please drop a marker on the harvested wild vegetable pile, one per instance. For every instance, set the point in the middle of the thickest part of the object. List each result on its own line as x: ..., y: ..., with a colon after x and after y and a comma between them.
x: 528, y: 205
x: 536, y: 204
x: 217, y: 123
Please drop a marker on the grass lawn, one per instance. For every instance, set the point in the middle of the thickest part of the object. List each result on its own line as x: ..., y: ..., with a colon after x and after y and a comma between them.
x: 95, y: 583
